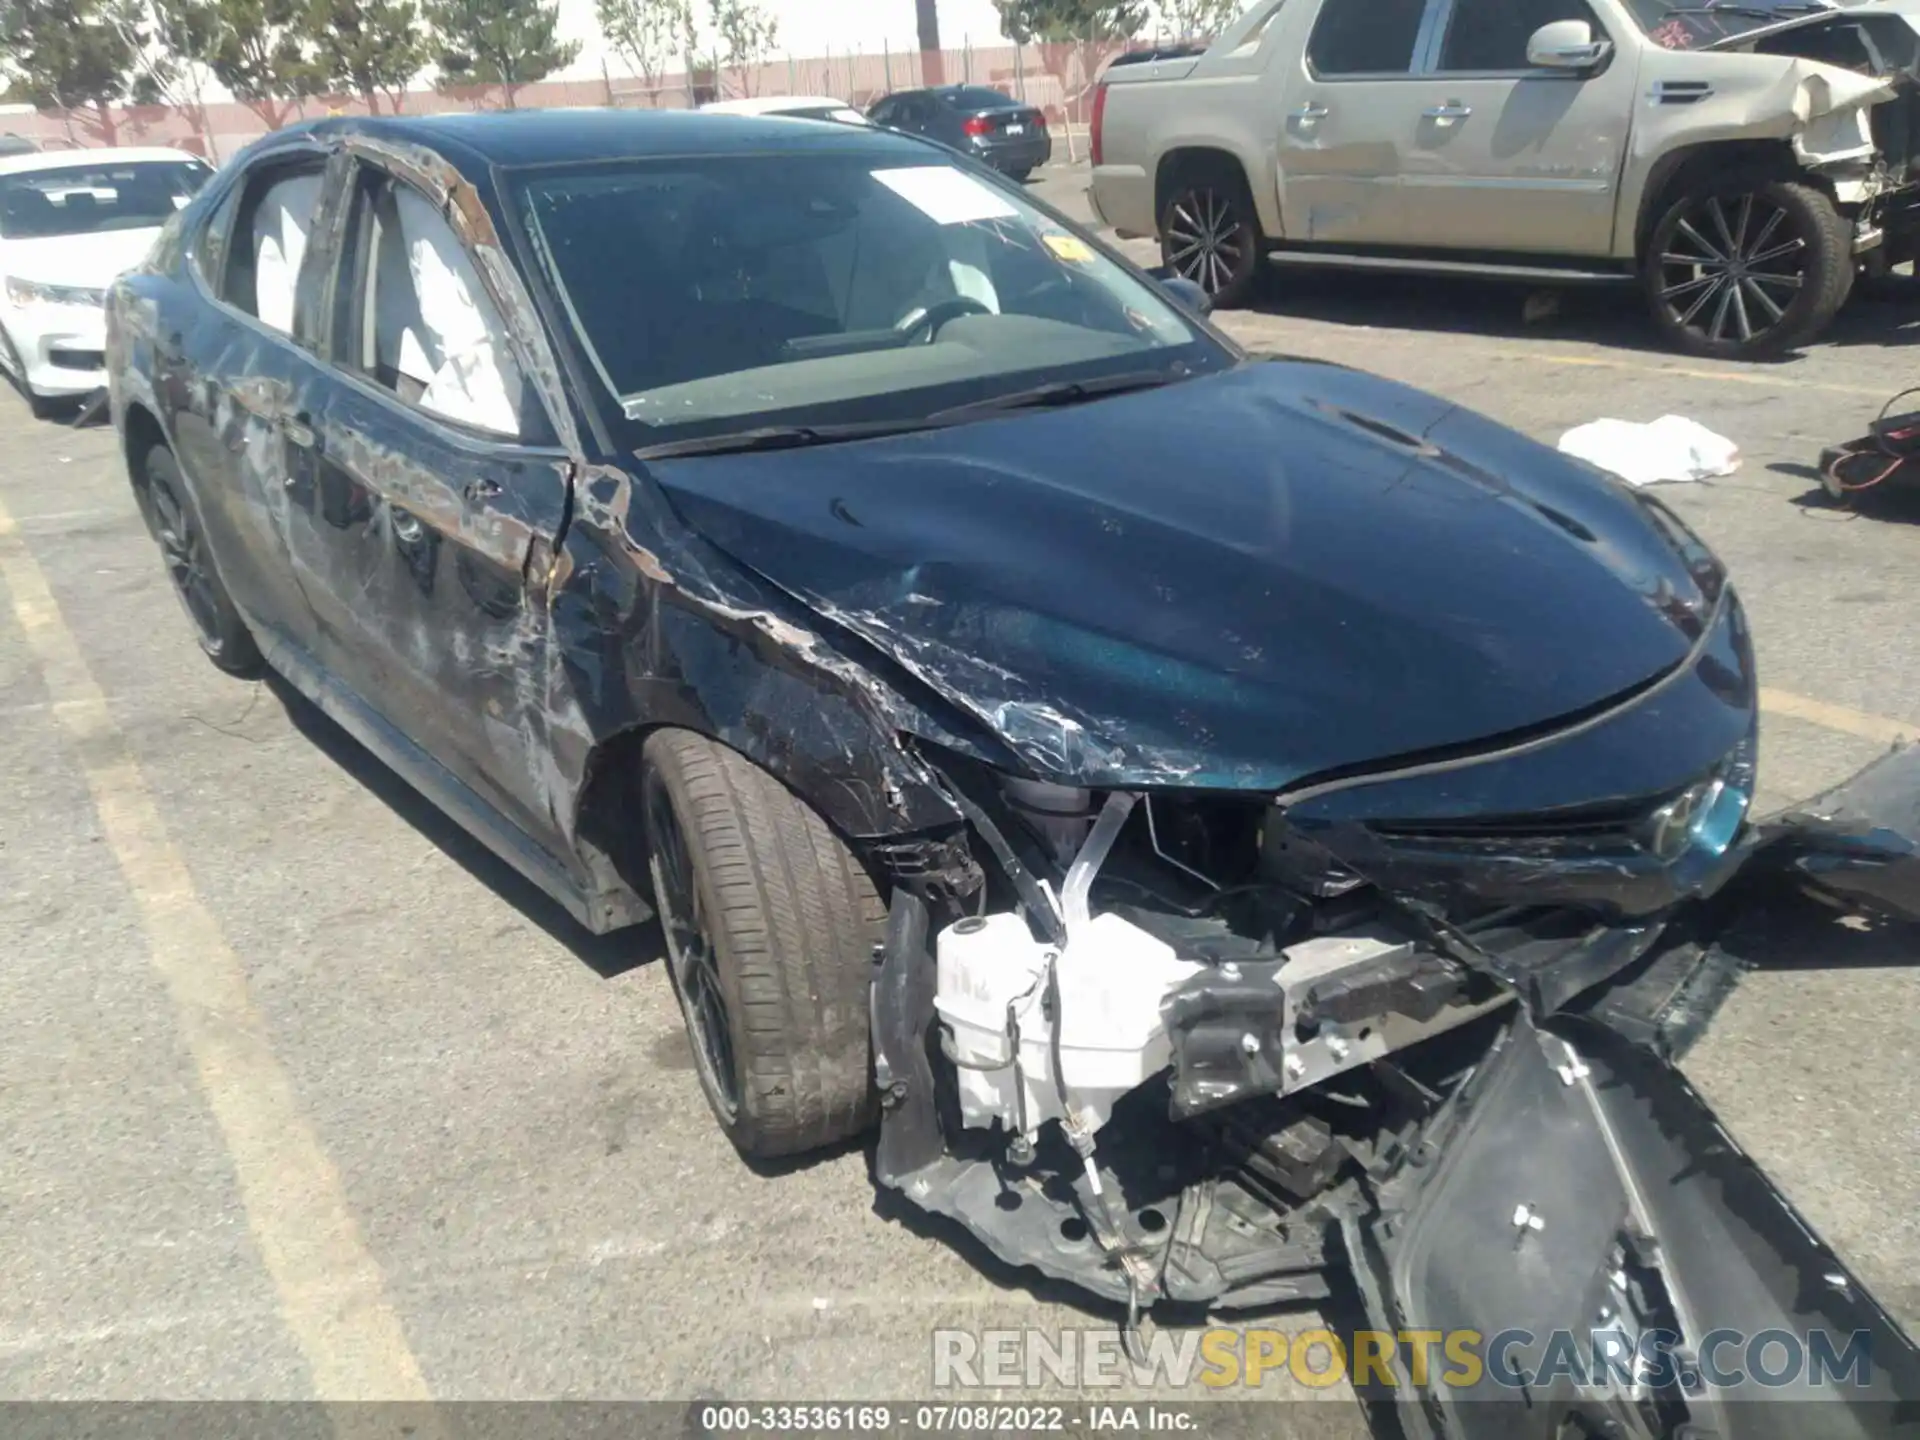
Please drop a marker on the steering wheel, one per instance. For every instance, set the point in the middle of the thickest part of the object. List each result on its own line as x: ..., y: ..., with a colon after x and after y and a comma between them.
x: 930, y: 318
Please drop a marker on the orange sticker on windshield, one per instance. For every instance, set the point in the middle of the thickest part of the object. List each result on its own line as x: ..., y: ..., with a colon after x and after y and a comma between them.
x: 1070, y: 248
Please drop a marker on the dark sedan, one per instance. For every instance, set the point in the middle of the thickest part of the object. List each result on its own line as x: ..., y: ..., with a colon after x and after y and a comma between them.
x: 1227, y: 821
x: 1005, y: 133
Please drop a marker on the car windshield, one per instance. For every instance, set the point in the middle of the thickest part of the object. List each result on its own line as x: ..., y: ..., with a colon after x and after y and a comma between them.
x: 833, y: 287
x: 86, y: 199
x: 1694, y: 24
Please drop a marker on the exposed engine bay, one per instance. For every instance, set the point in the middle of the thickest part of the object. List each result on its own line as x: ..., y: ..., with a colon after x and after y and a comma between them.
x: 1866, y: 143
x: 1176, y: 1048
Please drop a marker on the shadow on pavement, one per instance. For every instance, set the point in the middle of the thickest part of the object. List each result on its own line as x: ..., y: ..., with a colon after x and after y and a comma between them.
x: 1790, y: 933
x: 606, y: 955
x: 1885, y: 312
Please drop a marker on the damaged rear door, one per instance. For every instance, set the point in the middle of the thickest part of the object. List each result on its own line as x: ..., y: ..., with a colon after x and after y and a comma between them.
x: 439, y: 488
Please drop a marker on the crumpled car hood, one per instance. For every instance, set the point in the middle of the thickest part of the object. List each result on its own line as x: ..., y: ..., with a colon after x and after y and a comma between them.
x: 1907, y: 9
x: 1284, y: 570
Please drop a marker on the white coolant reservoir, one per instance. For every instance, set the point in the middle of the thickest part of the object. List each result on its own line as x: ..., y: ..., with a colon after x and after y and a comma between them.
x: 987, y: 964
x: 1112, y: 978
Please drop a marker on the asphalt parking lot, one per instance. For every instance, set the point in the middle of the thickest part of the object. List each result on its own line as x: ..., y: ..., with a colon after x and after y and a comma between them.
x: 305, y: 1096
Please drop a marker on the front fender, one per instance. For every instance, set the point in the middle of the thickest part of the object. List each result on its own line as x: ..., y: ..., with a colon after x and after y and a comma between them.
x: 652, y: 628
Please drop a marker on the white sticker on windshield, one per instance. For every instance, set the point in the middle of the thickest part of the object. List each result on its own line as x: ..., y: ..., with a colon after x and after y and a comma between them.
x: 945, y: 195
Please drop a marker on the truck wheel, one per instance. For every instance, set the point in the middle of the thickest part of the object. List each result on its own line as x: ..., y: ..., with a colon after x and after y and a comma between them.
x: 770, y: 925
x: 1747, y: 268
x: 1210, y: 234
x: 175, y: 523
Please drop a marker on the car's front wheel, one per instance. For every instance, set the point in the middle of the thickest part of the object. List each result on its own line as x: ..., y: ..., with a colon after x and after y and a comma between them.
x: 1745, y: 269
x: 770, y: 925
x: 175, y: 522
x: 1209, y: 233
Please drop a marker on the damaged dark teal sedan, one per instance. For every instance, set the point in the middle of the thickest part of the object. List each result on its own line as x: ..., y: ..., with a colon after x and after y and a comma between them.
x: 1241, y: 830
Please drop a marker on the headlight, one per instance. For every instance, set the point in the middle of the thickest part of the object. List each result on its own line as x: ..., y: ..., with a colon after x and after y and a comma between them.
x: 32, y: 292
x: 1707, y: 818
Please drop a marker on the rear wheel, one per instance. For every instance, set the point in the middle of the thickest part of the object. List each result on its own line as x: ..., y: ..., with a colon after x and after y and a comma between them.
x: 1745, y: 269
x: 1209, y: 233
x: 176, y: 526
x: 770, y: 925
x: 1019, y: 177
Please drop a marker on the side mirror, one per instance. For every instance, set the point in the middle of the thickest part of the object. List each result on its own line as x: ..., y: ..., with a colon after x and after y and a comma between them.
x: 1189, y: 295
x: 1567, y: 45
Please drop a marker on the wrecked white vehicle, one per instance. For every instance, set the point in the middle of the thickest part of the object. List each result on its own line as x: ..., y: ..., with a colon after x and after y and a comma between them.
x: 1220, y: 869
x: 1742, y: 162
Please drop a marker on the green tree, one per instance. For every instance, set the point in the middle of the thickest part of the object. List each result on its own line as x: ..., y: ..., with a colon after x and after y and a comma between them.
x: 66, y: 55
x: 174, y: 43
x: 744, y: 34
x: 264, y: 58
x: 509, y: 43
x: 368, y: 48
x: 1076, y: 38
x: 1053, y: 21
x: 645, y: 33
x: 1189, y: 19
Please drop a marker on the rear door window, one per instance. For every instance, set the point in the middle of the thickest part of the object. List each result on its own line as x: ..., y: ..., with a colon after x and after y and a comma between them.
x: 1365, y: 37
x: 254, y: 258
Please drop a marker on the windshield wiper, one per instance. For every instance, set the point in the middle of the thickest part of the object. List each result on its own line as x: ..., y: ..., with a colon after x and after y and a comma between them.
x: 1750, y: 12
x: 1057, y: 392
x: 777, y: 437
x: 793, y: 437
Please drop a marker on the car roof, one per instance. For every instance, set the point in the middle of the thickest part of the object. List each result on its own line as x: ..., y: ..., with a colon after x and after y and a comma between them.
x: 473, y: 142
x: 949, y: 90
x: 72, y: 159
x: 770, y: 104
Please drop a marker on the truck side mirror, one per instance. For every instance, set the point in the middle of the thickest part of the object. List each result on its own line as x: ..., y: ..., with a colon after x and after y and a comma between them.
x: 1567, y: 45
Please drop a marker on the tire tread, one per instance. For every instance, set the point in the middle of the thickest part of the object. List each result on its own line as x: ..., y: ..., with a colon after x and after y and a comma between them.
x: 795, y: 919
x: 1830, y: 276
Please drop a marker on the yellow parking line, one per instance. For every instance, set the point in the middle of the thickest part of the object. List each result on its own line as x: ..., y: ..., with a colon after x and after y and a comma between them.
x: 330, y: 1289
x: 1863, y: 723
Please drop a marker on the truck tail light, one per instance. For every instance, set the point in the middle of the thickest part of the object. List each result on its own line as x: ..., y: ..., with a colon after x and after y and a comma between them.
x: 1099, y: 116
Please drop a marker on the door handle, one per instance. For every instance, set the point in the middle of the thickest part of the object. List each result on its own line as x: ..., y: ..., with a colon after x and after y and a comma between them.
x: 257, y: 396
x: 481, y: 491
x: 1310, y: 112
x: 1448, y: 113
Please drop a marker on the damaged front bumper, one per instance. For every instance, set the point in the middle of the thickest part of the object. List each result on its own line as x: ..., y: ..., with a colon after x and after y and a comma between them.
x: 1478, y: 1124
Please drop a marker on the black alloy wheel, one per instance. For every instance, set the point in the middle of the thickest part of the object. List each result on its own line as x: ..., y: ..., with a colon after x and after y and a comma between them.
x: 770, y: 924
x: 692, y: 962
x: 1209, y: 235
x: 1746, y: 272
x: 176, y: 527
